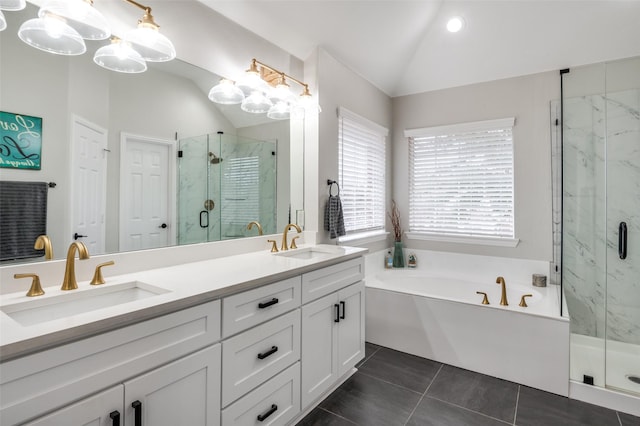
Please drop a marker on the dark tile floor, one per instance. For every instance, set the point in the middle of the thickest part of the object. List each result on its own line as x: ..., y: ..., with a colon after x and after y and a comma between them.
x: 394, y: 388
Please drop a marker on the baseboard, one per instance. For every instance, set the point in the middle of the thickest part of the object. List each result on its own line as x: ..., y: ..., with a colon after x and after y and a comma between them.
x: 605, y: 398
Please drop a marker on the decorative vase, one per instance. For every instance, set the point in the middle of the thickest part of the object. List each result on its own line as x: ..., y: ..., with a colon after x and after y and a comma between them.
x: 398, y: 256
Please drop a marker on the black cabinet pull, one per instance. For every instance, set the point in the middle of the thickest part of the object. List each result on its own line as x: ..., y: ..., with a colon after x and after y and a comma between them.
x: 137, y: 412
x: 271, y: 351
x: 622, y: 240
x: 344, y: 309
x: 337, y: 319
x: 263, y: 305
x: 262, y: 417
x: 115, y: 418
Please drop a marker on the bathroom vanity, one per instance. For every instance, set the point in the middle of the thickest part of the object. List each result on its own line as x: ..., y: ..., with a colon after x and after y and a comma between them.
x: 264, y: 338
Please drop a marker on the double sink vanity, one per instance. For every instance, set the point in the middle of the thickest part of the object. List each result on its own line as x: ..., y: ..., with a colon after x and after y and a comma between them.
x: 256, y: 338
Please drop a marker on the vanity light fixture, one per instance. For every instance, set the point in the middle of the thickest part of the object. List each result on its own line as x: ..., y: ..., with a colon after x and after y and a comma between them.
x: 265, y: 89
x: 147, y: 39
x: 79, y: 15
x: 12, y: 5
x: 52, y: 34
x: 121, y: 57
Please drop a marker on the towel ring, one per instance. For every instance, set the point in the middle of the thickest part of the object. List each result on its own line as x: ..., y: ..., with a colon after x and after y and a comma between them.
x: 331, y: 183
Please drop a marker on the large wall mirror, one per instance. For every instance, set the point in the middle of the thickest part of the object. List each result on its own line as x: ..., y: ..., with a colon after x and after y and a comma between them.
x: 144, y: 160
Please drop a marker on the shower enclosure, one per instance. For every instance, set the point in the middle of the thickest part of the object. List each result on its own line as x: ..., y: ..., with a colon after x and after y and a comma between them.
x: 600, y: 233
x: 224, y: 183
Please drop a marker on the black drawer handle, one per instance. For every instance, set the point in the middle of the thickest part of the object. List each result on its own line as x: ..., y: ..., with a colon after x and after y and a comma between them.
x: 137, y: 412
x: 263, y: 305
x: 622, y: 240
x: 262, y: 417
x: 271, y: 351
x: 115, y: 418
x: 344, y: 309
x: 337, y: 319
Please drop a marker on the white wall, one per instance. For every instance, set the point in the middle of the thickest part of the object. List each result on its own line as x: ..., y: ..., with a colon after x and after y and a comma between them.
x: 340, y: 86
x: 527, y: 98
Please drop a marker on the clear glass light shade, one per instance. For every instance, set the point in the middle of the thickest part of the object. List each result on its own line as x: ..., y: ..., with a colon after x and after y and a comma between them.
x: 121, y: 57
x: 251, y: 82
x: 53, y: 35
x: 256, y: 103
x: 152, y: 46
x: 309, y: 104
x: 280, y: 111
x: 80, y: 15
x: 281, y: 93
x: 226, y: 92
x: 3, y: 22
x: 12, y: 5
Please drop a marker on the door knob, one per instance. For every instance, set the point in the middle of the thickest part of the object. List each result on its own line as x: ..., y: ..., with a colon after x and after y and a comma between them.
x: 76, y: 236
x: 163, y: 226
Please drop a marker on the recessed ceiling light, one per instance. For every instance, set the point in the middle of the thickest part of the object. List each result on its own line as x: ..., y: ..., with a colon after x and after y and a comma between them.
x: 455, y: 24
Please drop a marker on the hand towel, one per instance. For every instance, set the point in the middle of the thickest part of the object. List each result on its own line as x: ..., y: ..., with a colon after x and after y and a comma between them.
x: 333, y: 217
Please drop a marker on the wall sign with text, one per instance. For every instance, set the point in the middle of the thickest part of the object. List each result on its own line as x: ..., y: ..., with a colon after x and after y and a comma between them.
x: 20, y: 141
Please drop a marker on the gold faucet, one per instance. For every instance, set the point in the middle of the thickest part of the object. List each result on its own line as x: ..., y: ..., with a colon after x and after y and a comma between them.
x: 36, y: 288
x: 284, y: 245
x: 69, y: 281
x: 44, y: 242
x: 250, y: 225
x: 503, y: 298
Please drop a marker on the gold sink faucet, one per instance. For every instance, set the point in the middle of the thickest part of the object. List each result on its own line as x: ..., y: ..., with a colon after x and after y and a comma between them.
x: 44, y: 242
x: 503, y: 298
x: 69, y: 282
x: 250, y: 225
x: 284, y: 245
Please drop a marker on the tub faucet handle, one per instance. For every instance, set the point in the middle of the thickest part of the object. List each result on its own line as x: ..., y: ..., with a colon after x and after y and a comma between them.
x: 523, y: 303
x: 485, y: 299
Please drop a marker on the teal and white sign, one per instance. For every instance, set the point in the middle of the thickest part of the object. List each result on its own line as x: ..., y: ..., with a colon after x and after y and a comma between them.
x: 20, y: 141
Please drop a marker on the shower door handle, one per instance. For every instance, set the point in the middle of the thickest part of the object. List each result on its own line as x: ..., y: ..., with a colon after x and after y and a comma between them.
x: 204, y: 219
x: 622, y: 240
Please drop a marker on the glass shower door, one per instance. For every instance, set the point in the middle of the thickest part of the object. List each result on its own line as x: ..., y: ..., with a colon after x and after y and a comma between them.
x: 623, y: 225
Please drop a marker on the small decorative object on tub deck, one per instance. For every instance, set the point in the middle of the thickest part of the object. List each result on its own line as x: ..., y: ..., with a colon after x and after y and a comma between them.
x: 394, y: 217
x: 388, y: 260
x: 413, y: 261
x: 539, y: 280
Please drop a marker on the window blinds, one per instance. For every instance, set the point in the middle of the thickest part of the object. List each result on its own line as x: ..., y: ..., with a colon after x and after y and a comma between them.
x: 461, y: 180
x: 241, y: 190
x: 362, y: 172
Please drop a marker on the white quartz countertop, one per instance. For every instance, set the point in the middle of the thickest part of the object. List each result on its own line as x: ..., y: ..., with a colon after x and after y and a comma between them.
x: 180, y: 287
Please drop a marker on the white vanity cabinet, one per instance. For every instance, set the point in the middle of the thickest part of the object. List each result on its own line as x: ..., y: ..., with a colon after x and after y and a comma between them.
x: 167, y: 363
x: 184, y: 392
x: 332, y: 326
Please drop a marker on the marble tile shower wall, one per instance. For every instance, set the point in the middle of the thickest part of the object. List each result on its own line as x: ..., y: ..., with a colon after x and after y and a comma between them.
x: 601, y: 173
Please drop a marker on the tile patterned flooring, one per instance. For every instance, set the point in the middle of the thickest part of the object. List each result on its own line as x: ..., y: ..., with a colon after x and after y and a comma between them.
x: 395, y: 388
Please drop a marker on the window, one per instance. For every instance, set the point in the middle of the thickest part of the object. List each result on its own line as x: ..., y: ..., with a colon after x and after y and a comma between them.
x: 362, y: 172
x: 461, y: 182
x: 241, y: 190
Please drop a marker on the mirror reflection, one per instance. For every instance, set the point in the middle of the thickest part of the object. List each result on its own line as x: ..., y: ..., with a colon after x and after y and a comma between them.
x: 140, y: 160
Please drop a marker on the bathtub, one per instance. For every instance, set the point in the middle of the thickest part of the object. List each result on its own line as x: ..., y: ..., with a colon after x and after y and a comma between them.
x: 434, y: 312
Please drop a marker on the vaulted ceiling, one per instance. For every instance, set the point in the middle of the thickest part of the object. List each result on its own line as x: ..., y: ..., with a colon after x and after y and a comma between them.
x: 402, y: 46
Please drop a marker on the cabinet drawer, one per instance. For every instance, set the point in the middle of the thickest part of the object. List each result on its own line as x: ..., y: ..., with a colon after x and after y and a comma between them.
x: 252, y: 357
x: 276, y: 402
x: 244, y: 310
x: 323, y: 281
x: 53, y: 378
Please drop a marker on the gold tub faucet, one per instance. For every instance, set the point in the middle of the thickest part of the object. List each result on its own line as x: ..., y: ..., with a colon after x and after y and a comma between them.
x: 250, y: 225
x: 503, y: 298
x: 69, y: 282
x: 44, y: 242
x: 284, y: 245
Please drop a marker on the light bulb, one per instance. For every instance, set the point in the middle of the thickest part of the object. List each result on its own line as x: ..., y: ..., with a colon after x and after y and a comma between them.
x: 455, y: 24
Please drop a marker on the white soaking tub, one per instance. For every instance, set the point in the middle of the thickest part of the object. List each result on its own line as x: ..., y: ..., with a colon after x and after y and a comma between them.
x: 434, y: 312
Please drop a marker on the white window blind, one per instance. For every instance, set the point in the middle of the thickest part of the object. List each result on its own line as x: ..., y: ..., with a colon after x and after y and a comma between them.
x: 241, y: 190
x: 362, y: 172
x: 461, y: 180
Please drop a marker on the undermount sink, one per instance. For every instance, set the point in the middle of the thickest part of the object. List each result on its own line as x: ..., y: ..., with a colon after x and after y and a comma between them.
x: 310, y: 253
x: 76, y: 302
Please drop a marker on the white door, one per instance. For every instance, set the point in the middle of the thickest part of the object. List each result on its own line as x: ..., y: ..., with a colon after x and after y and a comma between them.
x: 185, y: 392
x: 147, y: 174
x: 319, y: 347
x: 350, y: 327
x: 102, y: 409
x: 88, y: 195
